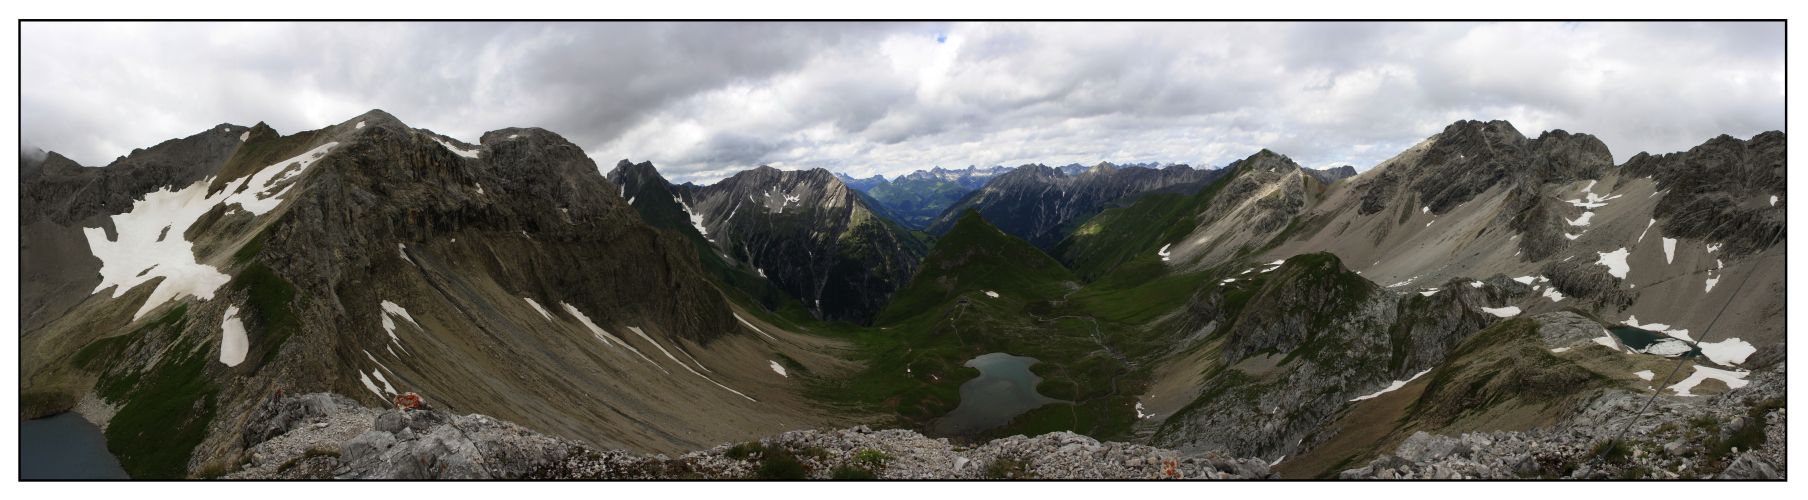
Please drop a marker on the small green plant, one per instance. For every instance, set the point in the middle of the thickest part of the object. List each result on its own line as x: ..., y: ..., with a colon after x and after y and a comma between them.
x: 777, y: 463
x: 321, y: 451
x: 1005, y: 468
x: 1612, y: 451
x: 218, y: 468
x: 743, y: 451
x: 852, y: 473
x: 871, y: 459
x: 815, y: 452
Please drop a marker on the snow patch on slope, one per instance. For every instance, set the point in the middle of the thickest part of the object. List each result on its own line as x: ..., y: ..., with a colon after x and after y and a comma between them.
x: 1553, y: 294
x: 696, y: 218
x: 1615, y: 262
x: 1733, y: 379
x: 737, y: 317
x: 150, y: 245
x: 150, y: 242
x: 368, y: 385
x: 1504, y: 312
x: 467, y: 153
x: 1393, y: 386
x: 1727, y: 352
x: 233, y: 343
x: 668, y: 354
x: 605, y: 337
x: 391, y: 311
x: 537, y: 308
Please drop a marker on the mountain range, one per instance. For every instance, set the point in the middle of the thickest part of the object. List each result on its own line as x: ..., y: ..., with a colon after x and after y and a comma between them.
x: 1479, y: 282
x: 915, y: 199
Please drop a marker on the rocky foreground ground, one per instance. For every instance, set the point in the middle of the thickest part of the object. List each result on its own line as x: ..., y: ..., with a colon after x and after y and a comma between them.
x: 1736, y: 435
x: 327, y: 436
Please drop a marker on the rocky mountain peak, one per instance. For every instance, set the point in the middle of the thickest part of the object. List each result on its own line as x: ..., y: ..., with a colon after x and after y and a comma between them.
x: 374, y: 118
x: 1489, y: 132
x: 1266, y: 161
x: 1030, y: 171
x: 1333, y: 174
x: 633, y: 175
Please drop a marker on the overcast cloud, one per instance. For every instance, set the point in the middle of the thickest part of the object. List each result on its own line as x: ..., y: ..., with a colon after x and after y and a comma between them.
x: 704, y: 100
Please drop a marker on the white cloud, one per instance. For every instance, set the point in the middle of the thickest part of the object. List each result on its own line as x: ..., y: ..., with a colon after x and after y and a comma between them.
x: 705, y: 100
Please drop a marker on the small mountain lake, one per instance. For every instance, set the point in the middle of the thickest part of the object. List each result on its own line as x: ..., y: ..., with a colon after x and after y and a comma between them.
x: 65, y: 447
x: 1641, y: 340
x: 1004, y: 389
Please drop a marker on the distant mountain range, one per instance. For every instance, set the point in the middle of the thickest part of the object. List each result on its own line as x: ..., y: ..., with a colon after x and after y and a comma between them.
x: 916, y: 198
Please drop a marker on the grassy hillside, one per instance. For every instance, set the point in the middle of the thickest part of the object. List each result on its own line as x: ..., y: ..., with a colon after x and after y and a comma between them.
x: 976, y: 256
x: 1130, y: 236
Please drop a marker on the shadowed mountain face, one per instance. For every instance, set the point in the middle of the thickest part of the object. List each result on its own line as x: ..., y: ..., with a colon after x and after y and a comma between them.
x: 507, y: 277
x: 804, y: 232
x: 1042, y: 204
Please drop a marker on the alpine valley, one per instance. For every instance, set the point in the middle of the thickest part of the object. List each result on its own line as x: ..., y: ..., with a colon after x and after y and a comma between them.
x: 242, y: 303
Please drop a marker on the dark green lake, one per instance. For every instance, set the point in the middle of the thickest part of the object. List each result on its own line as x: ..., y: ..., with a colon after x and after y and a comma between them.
x: 1641, y: 339
x: 1004, y: 389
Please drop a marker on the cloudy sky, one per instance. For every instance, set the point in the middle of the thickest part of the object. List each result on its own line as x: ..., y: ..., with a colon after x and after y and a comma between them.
x: 704, y: 100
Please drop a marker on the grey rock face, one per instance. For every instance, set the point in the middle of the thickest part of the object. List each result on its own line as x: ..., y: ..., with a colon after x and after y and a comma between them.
x: 809, y: 235
x: 277, y: 416
x: 1471, y: 157
x: 1563, y: 328
x: 1726, y: 190
x: 1330, y: 175
x: 1750, y: 465
x: 367, y: 446
x: 1309, y: 305
x: 429, y: 444
x: 1432, y: 326
x: 1589, y: 281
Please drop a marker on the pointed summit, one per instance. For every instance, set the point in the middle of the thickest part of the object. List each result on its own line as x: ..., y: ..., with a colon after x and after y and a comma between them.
x: 973, y: 257
x: 374, y: 117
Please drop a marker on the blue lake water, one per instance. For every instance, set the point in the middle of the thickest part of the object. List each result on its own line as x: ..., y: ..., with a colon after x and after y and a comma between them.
x: 64, y: 446
x: 1004, y: 389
